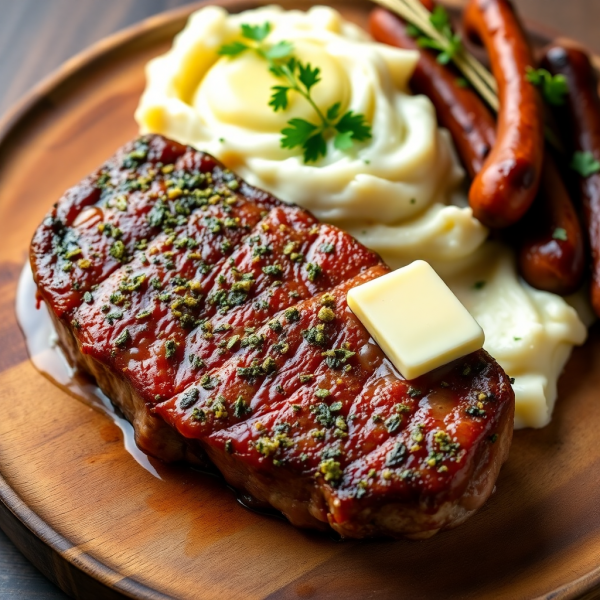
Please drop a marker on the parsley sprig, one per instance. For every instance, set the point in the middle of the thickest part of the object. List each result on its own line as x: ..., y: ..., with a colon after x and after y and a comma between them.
x: 300, y: 78
x: 585, y: 164
x: 554, y: 88
x: 452, y: 44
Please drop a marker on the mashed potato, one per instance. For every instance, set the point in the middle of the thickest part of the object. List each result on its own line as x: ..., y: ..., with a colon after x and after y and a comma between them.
x: 399, y: 193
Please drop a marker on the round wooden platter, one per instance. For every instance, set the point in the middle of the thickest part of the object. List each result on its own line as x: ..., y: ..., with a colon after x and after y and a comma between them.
x: 100, y: 526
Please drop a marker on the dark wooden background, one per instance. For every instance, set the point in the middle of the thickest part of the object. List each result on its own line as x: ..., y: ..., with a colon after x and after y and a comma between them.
x: 36, y: 36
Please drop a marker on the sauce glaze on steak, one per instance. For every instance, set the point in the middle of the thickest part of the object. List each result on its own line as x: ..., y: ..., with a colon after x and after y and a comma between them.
x: 215, y: 317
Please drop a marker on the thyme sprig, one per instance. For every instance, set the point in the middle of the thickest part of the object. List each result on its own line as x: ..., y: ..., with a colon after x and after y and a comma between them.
x: 450, y: 44
x: 300, y: 78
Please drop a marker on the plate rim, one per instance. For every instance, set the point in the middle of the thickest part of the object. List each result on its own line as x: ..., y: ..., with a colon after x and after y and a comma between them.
x: 26, y: 525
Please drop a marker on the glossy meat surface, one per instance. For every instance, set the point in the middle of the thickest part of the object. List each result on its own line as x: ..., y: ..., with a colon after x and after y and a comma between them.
x: 215, y: 316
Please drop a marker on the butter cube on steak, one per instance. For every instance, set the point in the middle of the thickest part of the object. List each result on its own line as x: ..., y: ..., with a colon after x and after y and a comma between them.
x: 215, y: 317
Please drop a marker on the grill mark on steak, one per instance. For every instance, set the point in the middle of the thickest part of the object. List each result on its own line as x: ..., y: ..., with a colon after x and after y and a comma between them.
x: 215, y: 316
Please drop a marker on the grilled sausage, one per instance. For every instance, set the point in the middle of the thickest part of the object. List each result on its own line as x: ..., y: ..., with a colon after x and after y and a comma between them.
x: 580, y: 123
x: 508, y: 183
x: 546, y: 261
x: 552, y: 255
x: 459, y: 109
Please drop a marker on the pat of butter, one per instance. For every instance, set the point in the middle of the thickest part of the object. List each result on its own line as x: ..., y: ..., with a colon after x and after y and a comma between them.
x: 416, y: 319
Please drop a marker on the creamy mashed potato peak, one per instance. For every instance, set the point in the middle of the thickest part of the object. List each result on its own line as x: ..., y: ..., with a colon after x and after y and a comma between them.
x: 399, y: 193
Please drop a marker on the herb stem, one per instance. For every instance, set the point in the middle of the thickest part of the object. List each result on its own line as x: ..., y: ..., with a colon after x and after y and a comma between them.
x: 294, y: 85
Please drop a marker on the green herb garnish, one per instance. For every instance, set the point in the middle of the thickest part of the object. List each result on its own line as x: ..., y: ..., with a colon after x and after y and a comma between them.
x: 560, y: 234
x: 585, y: 164
x: 452, y: 44
x: 553, y: 87
x: 300, y: 78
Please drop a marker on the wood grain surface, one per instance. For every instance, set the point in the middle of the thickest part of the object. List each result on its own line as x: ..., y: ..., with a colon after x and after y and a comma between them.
x: 34, y: 39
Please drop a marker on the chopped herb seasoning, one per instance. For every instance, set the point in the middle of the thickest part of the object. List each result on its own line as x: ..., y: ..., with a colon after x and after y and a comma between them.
x: 123, y: 339
x: 292, y: 314
x: 170, y: 348
x: 475, y: 411
x: 328, y: 300
x: 276, y: 326
x: 322, y: 393
x: 393, y: 423
x: 314, y: 271
x: 208, y: 382
x: 282, y: 347
x: 219, y: 408
x: 322, y: 413
x: 232, y: 341
x: 306, y: 377
x: 118, y: 251
x: 253, y: 341
x: 337, y: 358
x: 114, y: 316
x: 269, y: 365
x: 315, y: 336
x: 88, y: 298
x: 326, y: 314
x: 332, y: 471
x: 273, y: 270
x: 199, y: 415
x: 241, y: 408
x: 189, y: 398
x: 396, y: 456
x: 560, y: 234
x: 196, y: 362
x: 327, y: 248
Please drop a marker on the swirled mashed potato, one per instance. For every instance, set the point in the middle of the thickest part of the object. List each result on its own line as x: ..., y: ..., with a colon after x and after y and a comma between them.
x: 399, y: 192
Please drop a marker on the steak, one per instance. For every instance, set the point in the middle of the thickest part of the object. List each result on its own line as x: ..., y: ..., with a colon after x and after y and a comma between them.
x: 215, y: 317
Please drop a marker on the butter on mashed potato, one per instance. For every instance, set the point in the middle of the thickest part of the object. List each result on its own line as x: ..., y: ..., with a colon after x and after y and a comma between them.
x: 399, y: 193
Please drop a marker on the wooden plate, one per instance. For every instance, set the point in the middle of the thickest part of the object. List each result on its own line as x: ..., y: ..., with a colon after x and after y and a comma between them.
x: 97, y: 524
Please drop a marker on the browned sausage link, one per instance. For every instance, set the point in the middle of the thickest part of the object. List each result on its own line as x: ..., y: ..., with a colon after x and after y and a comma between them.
x: 546, y: 263
x: 459, y: 109
x: 507, y: 184
x: 552, y: 255
x: 580, y: 123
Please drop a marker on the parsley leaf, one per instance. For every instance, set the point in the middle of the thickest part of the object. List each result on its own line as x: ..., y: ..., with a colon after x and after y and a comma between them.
x: 279, y: 51
x: 279, y: 99
x: 308, y: 76
x: 439, y: 18
x: 343, y: 141
x: 297, y: 134
x: 334, y: 112
x: 314, y: 148
x: 256, y: 33
x: 355, y: 124
x: 553, y: 87
x: 234, y: 49
x: 446, y: 51
x: 585, y: 164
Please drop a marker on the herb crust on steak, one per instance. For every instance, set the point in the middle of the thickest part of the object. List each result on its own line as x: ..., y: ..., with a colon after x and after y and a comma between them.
x: 215, y: 317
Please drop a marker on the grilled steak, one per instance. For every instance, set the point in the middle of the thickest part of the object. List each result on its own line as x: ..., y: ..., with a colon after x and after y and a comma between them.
x: 215, y: 317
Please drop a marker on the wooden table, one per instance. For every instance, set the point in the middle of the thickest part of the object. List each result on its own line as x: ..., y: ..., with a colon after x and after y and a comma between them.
x: 37, y: 36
